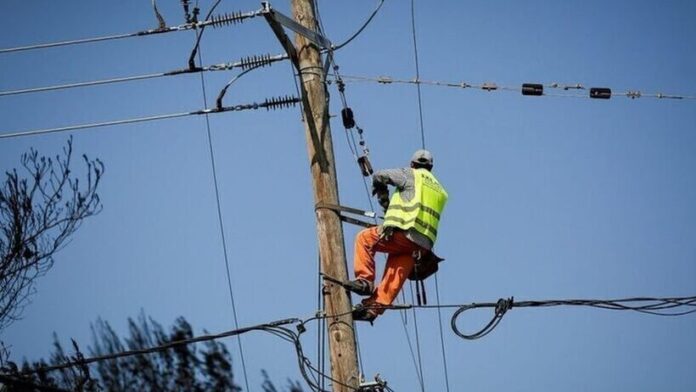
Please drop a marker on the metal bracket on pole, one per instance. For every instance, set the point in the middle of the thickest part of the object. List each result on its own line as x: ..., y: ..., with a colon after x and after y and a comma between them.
x: 278, y: 21
x: 275, y: 17
x: 280, y: 34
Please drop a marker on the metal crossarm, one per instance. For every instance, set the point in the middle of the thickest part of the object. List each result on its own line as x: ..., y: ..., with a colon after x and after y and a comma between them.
x: 277, y: 18
x: 340, y: 209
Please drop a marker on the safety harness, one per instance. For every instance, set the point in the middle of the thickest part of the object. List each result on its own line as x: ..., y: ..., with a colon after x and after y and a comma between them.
x: 426, y: 264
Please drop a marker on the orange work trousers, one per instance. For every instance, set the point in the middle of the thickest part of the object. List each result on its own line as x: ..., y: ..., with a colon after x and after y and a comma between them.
x: 399, y: 262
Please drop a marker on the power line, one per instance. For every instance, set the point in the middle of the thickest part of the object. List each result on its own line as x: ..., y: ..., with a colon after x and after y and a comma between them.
x: 364, y: 25
x: 564, y: 90
x: 422, y: 132
x: 648, y: 305
x: 276, y: 328
x: 418, y: 350
x: 442, y: 335
x: 655, y: 306
x: 163, y: 347
x: 244, y: 63
x: 348, y: 124
x: 418, y: 85
x: 219, y: 211
x: 82, y: 84
x: 95, y: 125
x: 269, y: 104
x: 215, y: 21
x: 199, y: 35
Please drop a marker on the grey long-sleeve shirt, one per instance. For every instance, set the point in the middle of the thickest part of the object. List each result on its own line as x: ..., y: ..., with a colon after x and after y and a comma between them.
x: 404, y: 181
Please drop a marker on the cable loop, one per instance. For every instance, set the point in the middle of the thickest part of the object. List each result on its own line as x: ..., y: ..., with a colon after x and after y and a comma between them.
x: 501, y: 307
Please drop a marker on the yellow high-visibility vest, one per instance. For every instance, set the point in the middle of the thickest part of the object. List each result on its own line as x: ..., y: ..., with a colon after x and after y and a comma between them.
x: 422, y: 212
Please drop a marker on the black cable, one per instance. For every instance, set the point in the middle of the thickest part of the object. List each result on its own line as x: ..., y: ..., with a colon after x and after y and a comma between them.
x: 360, y: 30
x: 418, y: 86
x: 276, y: 328
x: 220, y: 220
x: 418, y: 350
x: 321, y: 324
x: 199, y: 35
x: 163, y: 347
x: 410, y: 348
x: 304, y: 362
x: 442, y: 335
x: 648, y: 305
x: 221, y: 95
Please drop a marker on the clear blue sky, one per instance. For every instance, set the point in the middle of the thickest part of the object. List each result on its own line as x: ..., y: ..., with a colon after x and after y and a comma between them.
x: 549, y: 197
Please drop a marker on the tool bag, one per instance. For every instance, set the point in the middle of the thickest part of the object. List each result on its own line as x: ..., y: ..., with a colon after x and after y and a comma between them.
x: 426, y: 264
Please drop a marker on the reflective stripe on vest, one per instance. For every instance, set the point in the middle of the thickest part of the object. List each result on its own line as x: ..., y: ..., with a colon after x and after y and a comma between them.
x: 423, y: 211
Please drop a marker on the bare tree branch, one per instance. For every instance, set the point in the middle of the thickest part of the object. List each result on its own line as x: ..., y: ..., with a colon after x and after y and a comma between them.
x: 39, y: 212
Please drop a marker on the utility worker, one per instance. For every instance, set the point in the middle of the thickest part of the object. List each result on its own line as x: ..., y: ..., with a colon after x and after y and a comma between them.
x: 410, y: 225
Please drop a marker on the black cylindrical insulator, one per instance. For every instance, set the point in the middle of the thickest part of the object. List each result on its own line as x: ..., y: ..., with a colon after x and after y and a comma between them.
x: 532, y: 89
x: 489, y: 86
x: 348, y: 120
x: 365, y: 166
x: 600, y: 92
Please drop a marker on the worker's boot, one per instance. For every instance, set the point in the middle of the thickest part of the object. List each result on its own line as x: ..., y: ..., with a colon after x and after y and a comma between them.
x: 362, y: 313
x: 361, y: 287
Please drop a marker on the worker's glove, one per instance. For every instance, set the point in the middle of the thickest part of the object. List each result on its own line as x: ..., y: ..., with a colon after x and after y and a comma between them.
x: 383, y: 199
x: 378, y: 189
x: 385, y: 233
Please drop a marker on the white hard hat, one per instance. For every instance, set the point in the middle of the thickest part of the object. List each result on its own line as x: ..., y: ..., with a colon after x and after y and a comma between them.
x: 423, y: 157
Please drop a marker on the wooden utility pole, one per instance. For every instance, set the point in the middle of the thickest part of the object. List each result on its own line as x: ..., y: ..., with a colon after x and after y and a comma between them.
x: 344, y: 361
